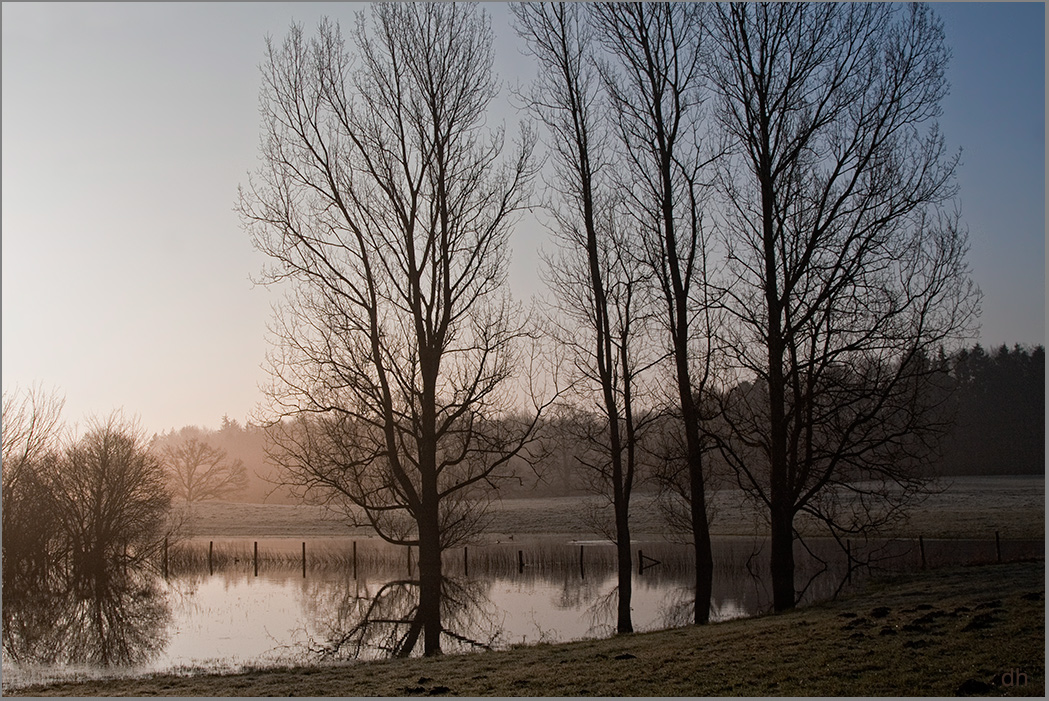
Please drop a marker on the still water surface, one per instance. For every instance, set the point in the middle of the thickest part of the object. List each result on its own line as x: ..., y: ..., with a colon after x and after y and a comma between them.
x: 227, y: 617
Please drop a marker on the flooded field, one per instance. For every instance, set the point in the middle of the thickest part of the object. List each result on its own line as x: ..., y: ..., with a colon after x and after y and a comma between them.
x: 356, y: 599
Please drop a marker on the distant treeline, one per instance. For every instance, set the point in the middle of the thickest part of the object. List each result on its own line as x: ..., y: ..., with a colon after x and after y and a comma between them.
x: 998, y: 404
x: 999, y: 410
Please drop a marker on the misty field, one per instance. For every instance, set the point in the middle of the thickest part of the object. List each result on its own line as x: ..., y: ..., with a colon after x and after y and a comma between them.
x: 967, y: 507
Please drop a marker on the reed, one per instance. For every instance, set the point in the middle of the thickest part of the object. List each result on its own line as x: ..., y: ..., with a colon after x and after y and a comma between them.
x: 546, y: 556
x: 542, y: 557
x: 193, y: 556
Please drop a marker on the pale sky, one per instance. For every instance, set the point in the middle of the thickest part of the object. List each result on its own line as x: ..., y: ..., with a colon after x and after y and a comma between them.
x: 127, y: 128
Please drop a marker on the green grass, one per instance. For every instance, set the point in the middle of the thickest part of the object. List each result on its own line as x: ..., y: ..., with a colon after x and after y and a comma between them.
x: 931, y: 633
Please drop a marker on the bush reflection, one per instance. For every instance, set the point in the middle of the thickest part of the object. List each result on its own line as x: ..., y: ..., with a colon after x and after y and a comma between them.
x: 110, y: 619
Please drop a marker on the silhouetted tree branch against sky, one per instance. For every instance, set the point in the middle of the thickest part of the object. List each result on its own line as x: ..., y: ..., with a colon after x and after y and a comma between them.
x: 846, y: 259
x: 79, y: 507
x: 385, y: 205
x: 995, y: 113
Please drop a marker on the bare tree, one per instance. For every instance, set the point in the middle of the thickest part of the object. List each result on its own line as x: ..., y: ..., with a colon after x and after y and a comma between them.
x: 111, y: 498
x: 31, y: 432
x: 847, y: 265
x: 597, y: 277
x: 198, y: 471
x: 31, y: 427
x: 383, y: 203
x: 654, y: 80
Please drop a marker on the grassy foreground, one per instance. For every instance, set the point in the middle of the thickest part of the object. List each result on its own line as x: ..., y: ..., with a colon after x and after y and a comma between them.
x: 970, y: 630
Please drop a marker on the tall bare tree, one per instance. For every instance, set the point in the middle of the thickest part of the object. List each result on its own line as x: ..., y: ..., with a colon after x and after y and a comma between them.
x: 198, y: 471
x: 654, y: 81
x: 597, y: 277
x: 385, y: 204
x: 847, y: 262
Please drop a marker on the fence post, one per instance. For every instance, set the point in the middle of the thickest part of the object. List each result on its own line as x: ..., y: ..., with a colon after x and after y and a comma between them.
x: 304, y: 559
x: 211, y: 550
x: 921, y: 547
x: 640, y: 561
x: 256, y: 558
x: 355, y: 559
x: 520, y: 561
x: 582, y: 572
x: 998, y: 547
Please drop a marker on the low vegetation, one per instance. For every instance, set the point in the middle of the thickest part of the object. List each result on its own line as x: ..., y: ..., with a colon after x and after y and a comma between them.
x: 974, y: 630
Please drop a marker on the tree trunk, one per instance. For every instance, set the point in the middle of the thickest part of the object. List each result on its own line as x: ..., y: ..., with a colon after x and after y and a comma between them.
x: 430, y: 581
x: 697, y: 490
x: 782, y: 556
x: 428, y: 518
x: 701, y: 543
x: 781, y: 501
x: 624, y: 624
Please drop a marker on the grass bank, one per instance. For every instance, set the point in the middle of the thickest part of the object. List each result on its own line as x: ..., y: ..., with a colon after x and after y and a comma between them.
x: 970, y: 630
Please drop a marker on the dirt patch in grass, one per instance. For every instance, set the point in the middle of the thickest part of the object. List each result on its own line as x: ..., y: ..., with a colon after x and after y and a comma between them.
x: 970, y: 630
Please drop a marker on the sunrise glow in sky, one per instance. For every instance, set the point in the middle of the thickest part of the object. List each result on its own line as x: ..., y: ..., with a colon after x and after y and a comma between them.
x: 127, y: 128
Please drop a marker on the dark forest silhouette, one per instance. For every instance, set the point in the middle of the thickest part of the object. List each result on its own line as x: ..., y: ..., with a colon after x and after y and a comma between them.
x: 999, y: 413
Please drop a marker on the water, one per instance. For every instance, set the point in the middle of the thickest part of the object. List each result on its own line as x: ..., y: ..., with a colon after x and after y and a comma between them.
x: 226, y: 617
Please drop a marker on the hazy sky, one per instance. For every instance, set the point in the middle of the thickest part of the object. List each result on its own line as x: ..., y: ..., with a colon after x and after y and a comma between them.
x: 128, y: 127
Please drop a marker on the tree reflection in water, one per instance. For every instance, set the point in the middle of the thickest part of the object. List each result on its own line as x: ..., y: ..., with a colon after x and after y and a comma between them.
x: 575, y: 592
x: 110, y: 619
x: 352, y: 621
x: 602, y: 614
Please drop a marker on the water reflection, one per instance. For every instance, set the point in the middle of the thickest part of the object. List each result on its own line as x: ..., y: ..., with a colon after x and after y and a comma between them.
x: 602, y: 612
x: 108, y: 620
x: 353, y: 619
x: 536, y: 592
x: 233, y: 618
